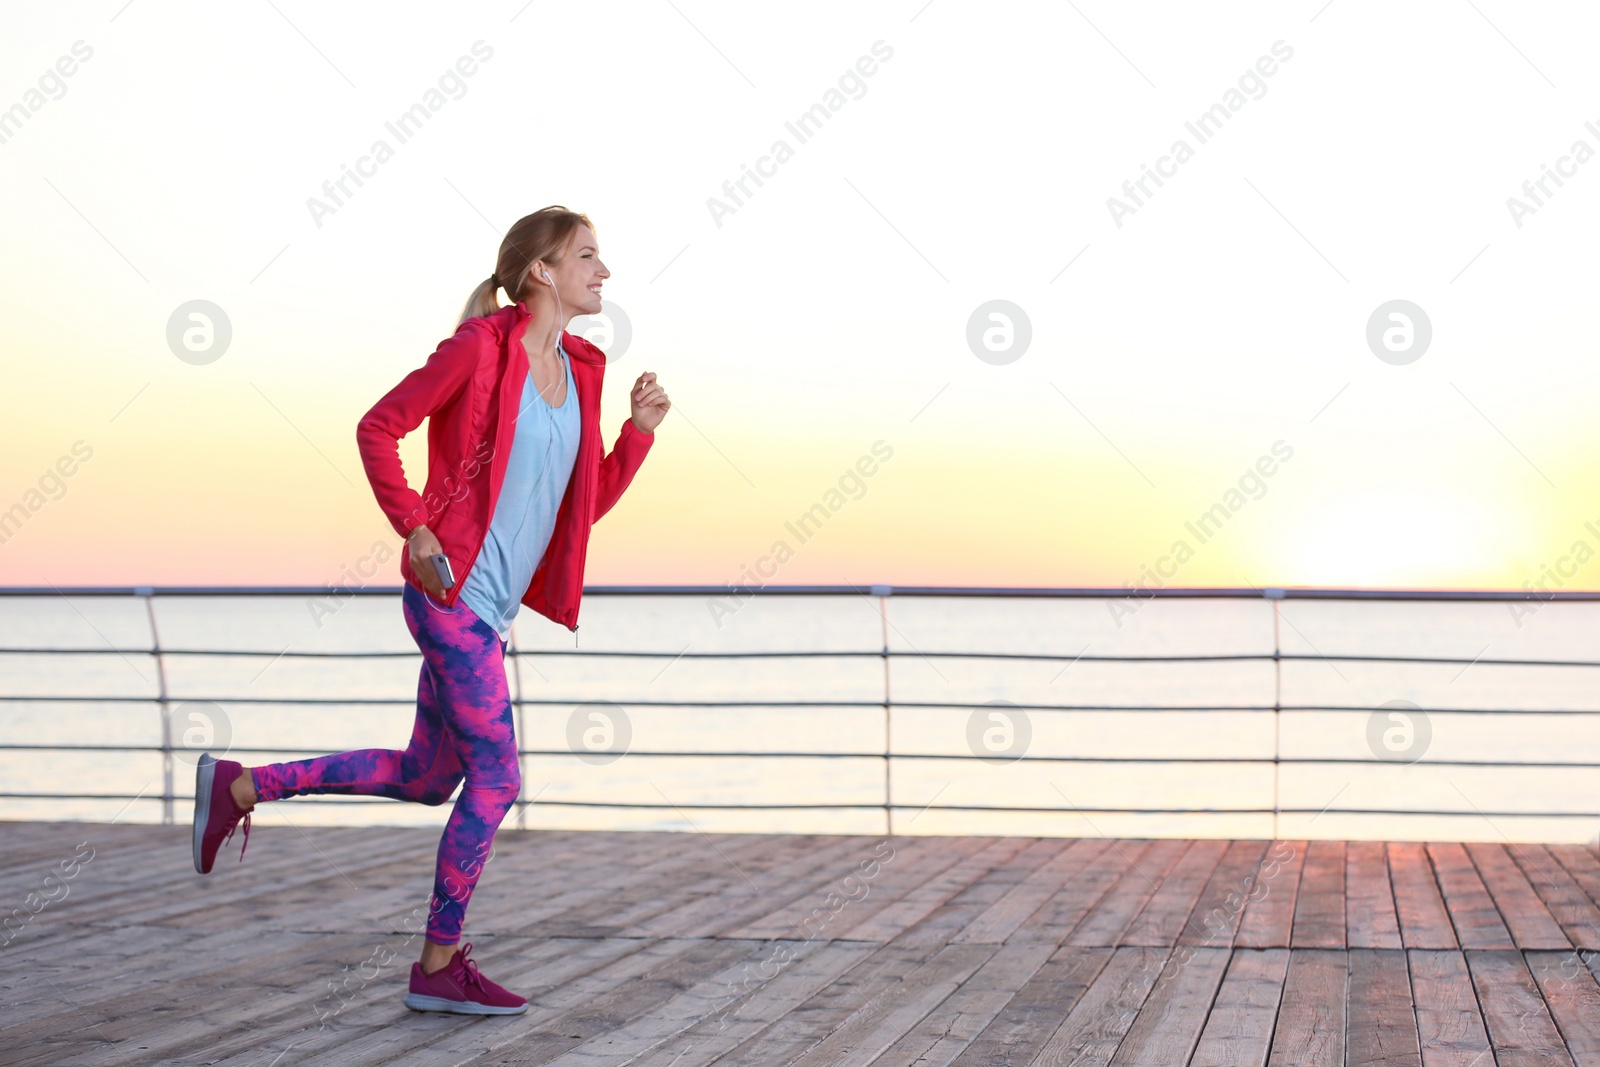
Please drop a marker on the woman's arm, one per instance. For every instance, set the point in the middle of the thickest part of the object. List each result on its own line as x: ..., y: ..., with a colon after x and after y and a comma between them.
x: 618, y: 468
x: 401, y: 410
x: 650, y: 405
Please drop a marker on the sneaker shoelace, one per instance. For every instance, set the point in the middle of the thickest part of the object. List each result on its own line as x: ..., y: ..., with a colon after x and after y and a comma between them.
x: 234, y: 827
x: 469, y: 967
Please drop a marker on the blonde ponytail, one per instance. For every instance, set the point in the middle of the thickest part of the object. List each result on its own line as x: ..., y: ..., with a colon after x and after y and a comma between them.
x: 483, y: 301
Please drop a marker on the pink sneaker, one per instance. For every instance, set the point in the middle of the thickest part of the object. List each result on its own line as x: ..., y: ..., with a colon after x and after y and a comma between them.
x: 458, y: 986
x: 215, y: 812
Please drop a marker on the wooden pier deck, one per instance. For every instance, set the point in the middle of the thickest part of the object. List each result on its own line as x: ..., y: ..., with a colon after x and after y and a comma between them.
x: 683, y: 949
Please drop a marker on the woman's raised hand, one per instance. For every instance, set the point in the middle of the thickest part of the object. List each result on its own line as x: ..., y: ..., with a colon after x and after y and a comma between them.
x: 650, y: 403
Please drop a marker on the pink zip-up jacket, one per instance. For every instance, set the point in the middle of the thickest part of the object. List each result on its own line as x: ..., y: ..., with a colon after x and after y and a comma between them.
x: 468, y: 391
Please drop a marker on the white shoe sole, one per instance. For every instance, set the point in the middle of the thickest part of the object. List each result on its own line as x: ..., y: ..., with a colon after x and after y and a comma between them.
x: 205, y: 772
x: 418, y: 1002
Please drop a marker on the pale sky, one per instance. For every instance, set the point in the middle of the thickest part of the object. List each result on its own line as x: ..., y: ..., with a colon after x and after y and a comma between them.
x: 1171, y: 347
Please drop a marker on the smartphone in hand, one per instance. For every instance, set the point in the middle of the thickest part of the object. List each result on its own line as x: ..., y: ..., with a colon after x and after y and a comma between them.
x: 441, y: 565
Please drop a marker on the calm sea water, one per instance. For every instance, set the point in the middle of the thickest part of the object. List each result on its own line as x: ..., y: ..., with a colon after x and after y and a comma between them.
x: 1068, y: 739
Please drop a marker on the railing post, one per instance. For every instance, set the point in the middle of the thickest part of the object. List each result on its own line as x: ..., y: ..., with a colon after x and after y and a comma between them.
x: 882, y: 592
x: 167, y: 798
x: 1274, y: 595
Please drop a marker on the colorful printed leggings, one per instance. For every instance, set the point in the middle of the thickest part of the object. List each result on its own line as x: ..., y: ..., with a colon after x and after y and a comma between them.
x: 463, y: 728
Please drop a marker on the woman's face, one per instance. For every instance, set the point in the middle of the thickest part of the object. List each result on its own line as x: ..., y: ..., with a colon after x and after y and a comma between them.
x: 579, y: 275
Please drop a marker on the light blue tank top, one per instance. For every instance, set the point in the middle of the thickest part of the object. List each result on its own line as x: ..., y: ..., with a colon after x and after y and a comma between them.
x: 544, y: 449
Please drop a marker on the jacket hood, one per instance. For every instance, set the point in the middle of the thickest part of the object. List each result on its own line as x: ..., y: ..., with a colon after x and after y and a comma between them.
x: 511, y: 322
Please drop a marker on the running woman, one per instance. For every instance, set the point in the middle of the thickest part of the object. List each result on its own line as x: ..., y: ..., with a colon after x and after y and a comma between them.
x: 516, y: 476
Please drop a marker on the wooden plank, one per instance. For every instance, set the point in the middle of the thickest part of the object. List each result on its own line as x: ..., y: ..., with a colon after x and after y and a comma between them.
x: 1269, y: 918
x: 374, y: 1027
x: 946, y: 1031
x: 590, y: 971
x: 1091, y: 1032
x: 1381, y: 1026
x: 1060, y: 915
x: 922, y: 933
x: 949, y: 865
x: 1568, y: 903
x: 524, y: 869
x: 549, y: 871
x: 1026, y: 1021
x: 901, y: 874
x: 872, y: 882
x: 1161, y: 921
x: 1477, y: 921
x: 142, y: 1017
x: 734, y: 897
x: 1519, y: 1023
x: 119, y: 881
x: 1580, y: 862
x: 1449, y: 1024
x: 1525, y: 915
x: 1006, y: 878
x: 79, y: 849
x: 376, y: 898
x: 30, y: 842
x: 654, y: 853
x: 650, y: 898
x: 50, y: 936
x: 34, y: 842
x: 1007, y: 914
x: 1169, y: 1024
x: 530, y: 882
x: 811, y: 1021
x: 693, y: 965
x: 647, y: 1032
x: 733, y: 1022
x: 638, y: 1033
x: 912, y: 909
x: 198, y: 902
x: 1573, y: 997
x: 1311, y: 1021
x: 1216, y: 915
x: 1370, y: 919
x: 294, y: 1002
x: 954, y: 913
x: 1319, y: 909
x: 1112, y: 913
x: 101, y: 965
x: 1424, y: 920
x: 1238, y: 1032
x: 866, y: 1035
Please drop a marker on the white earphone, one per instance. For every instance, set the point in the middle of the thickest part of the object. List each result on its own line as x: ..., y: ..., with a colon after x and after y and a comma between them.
x: 547, y: 278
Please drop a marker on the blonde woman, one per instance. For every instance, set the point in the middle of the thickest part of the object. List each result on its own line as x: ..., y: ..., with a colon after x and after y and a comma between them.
x: 517, y: 474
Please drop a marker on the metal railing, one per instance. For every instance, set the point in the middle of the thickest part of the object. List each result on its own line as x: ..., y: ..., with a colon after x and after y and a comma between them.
x: 894, y: 650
